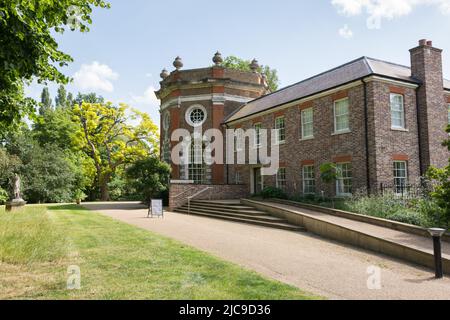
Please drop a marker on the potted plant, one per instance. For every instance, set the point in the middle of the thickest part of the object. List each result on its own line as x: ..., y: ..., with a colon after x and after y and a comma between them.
x: 79, y: 196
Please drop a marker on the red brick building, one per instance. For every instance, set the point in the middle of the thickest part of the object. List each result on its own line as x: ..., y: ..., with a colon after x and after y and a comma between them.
x: 379, y: 122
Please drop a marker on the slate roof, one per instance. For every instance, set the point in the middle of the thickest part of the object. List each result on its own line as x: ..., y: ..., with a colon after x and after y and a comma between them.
x: 346, y: 73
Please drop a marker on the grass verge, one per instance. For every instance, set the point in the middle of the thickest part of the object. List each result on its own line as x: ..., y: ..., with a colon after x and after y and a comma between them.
x: 117, y: 261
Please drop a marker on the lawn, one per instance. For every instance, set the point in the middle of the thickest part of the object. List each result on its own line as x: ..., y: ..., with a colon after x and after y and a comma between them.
x: 116, y: 260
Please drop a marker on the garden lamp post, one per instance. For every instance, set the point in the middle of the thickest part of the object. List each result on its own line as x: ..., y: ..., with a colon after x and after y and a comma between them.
x: 437, y: 234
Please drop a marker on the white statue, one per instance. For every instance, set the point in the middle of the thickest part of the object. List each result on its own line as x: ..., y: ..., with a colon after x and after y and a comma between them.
x: 16, y: 187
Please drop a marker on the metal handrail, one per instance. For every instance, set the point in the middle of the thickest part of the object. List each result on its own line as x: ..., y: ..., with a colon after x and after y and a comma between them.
x: 184, y: 192
x: 196, y: 195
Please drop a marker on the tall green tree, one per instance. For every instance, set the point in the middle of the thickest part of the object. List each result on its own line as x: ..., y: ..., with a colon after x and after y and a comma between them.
x: 46, y: 101
x: 61, y: 97
x: 88, y: 98
x: 30, y: 51
x: 234, y: 62
x: 47, y: 173
x: 149, y: 177
x: 55, y: 126
x: 70, y: 100
x: 106, y: 134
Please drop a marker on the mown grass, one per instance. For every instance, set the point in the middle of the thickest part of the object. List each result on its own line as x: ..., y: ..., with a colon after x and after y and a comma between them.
x: 29, y: 236
x: 117, y: 261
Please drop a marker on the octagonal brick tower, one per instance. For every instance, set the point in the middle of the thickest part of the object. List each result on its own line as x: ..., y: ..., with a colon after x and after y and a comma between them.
x: 203, y: 97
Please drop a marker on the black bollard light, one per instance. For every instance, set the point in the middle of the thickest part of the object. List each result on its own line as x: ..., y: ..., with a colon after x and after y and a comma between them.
x: 437, y: 234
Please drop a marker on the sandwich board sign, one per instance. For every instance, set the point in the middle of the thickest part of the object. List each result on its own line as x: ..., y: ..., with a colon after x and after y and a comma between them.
x: 156, y: 208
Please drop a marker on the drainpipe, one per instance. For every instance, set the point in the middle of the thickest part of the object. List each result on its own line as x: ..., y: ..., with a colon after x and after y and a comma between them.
x: 227, y: 166
x: 366, y: 129
x: 419, y: 131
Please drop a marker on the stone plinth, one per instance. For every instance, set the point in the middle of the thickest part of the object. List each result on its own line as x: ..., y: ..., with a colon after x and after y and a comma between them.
x: 15, y: 205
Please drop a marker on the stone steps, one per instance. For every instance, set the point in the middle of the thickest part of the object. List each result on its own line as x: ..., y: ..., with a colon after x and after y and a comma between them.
x: 234, y: 211
x: 246, y: 211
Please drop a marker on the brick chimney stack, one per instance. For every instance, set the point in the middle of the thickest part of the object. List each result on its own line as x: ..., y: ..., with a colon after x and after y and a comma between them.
x: 426, y: 66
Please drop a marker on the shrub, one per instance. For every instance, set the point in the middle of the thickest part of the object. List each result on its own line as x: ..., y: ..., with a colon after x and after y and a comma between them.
x: 441, y: 194
x: 274, y: 193
x: 380, y: 206
x: 432, y: 213
x: 3, y: 196
x: 407, y: 216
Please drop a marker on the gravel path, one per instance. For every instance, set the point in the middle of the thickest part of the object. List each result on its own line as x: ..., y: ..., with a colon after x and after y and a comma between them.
x: 311, y: 263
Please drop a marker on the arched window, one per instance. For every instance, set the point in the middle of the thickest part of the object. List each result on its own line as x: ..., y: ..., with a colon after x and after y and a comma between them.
x: 166, y: 121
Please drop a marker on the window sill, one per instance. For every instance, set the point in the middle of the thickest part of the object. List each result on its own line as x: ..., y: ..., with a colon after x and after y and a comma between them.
x: 280, y: 143
x: 307, y: 139
x: 341, y: 132
x: 400, y: 129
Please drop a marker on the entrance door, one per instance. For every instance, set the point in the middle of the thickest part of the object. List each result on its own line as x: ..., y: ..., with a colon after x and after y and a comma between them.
x: 257, y: 180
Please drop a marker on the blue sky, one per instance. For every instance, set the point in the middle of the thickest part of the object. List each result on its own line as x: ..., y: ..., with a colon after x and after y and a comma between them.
x: 128, y: 45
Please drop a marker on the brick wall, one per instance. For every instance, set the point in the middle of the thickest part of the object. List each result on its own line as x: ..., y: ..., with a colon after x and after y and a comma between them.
x: 214, y: 81
x: 325, y: 147
x: 387, y: 144
x: 217, y: 192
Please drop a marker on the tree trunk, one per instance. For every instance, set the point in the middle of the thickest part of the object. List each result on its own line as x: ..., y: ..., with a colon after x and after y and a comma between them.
x: 104, y: 192
x: 104, y: 189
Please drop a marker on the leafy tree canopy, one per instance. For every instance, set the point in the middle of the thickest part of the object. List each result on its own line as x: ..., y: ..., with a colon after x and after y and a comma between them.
x: 61, y: 98
x: 149, y: 177
x: 107, y: 135
x: 29, y: 50
x: 234, y: 62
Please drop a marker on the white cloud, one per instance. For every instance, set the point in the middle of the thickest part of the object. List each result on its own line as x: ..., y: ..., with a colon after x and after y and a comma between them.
x: 345, y: 32
x: 377, y: 10
x: 147, y: 99
x: 95, y: 76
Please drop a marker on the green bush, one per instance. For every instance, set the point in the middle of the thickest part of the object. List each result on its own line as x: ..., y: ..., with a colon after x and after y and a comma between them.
x: 380, y: 206
x: 273, y: 193
x: 433, y: 215
x: 3, y: 196
x: 407, y: 216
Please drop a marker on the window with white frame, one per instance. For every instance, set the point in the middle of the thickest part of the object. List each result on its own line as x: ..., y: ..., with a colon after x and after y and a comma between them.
x: 309, y: 180
x: 344, y: 181
x: 239, y: 141
x: 257, y: 127
x: 341, y: 116
x: 280, y: 126
x: 196, y: 164
x: 237, y: 177
x: 400, y: 176
x: 307, y: 123
x: 281, y: 179
x: 397, y: 111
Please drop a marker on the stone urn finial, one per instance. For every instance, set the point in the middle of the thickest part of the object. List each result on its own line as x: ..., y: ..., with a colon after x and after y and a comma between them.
x: 164, y: 74
x: 217, y: 59
x: 254, y: 65
x: 178, y: 63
